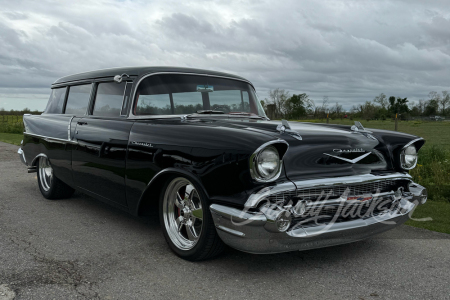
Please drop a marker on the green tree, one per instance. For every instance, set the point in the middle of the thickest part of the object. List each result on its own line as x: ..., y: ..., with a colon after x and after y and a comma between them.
x: 398, y: 105
x: 431, y: 107
x: 297, y: 106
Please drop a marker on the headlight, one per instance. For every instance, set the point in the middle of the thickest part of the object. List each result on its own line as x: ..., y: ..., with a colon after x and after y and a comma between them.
x: 408, y: 157
x: 265, y: 163
x: 268, y: 162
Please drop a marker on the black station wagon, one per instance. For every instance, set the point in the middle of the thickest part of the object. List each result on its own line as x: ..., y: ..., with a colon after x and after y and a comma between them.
x: 196, y: 147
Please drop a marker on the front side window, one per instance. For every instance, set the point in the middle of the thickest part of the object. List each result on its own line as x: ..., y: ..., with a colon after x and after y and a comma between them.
x: 109, y: 99
x: 185, y: 94
x: 56, y: 102
x: 78, y: 99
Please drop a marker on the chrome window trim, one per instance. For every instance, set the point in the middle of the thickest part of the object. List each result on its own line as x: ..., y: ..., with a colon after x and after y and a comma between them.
x: 71, y: 83
x: 87, y: 80
x: 131, y: 114
x: 123, y: 110
x: 254, y: 156
x: 91, y: 101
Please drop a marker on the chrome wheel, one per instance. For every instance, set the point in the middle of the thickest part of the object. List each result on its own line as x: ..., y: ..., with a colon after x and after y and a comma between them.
x: 45, y: 173
x: 182, y: 213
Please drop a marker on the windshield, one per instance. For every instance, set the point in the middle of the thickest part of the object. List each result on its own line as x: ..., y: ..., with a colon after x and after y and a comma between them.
x: 173, y: 94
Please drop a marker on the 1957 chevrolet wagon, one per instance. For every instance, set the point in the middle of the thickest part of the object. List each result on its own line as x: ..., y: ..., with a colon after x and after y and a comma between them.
x: 196, y: 147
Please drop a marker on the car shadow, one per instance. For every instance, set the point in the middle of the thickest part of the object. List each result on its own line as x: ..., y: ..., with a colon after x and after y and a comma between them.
x: 233, y: 260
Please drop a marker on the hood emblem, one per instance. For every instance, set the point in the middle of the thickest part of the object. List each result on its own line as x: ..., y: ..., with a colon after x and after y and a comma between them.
x: 142, y: 144
x: 349, y: 150
x: 285, y: 128
x: 352, y: 161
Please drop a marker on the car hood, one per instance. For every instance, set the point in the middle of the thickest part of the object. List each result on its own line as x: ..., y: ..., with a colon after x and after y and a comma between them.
x: 326, y: 150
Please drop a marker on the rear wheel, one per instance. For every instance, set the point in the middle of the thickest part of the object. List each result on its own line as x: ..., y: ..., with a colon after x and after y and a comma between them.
x: 186, y: 221
x: 51, y: 187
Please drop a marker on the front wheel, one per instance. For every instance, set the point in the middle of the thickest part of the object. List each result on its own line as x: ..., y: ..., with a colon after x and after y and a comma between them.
x: 187, y: 222
x: 51, y: 187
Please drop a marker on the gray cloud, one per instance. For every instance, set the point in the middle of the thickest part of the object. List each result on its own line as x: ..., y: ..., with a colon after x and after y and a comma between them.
x: 348, y: 50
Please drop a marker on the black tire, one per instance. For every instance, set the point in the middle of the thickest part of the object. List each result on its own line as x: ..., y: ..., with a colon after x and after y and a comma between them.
x: 208, y: 244
x: 51, y: 189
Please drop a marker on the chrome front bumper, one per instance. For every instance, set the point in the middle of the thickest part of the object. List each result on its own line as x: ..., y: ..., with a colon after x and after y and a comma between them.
x: 252, y: 230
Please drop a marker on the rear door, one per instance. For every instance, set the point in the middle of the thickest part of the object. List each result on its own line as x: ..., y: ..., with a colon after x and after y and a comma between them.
x: 99, y: 159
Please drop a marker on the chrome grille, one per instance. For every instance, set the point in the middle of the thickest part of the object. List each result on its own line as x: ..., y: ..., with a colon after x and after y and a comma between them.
x: 345, y: 212
x: 331, y: 192
x: 327, y: 212
x: 351, y: 189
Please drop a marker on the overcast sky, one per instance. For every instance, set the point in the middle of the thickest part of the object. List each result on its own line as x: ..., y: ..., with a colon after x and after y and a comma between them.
x: 350, y: 51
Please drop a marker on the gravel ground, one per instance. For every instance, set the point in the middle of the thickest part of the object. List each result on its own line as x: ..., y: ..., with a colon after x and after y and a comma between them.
x: 80, y: 248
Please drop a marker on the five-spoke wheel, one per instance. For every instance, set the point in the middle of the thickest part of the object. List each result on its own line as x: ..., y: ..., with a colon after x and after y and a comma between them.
x: 183, y: 213
x: 187, y: 222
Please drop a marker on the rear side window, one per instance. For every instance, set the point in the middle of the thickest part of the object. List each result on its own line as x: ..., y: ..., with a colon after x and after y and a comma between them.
x: 109, y: 99
x: 78, y: 99
x: 56, y: 102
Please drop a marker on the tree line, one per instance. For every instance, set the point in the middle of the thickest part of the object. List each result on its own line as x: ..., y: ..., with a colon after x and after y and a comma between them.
x: 299, y: 106
x: 19, y: 112
x: 380, y: 108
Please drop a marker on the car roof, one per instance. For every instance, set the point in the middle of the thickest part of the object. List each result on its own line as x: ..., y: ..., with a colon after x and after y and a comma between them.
x: 137, y: 71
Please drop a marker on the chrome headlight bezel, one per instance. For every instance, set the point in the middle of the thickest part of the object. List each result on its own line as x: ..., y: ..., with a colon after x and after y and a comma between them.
x: 409, y: 152
x: 256, y: 174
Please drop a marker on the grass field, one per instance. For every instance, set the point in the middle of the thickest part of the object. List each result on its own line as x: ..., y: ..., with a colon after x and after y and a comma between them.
x: 432, y: 171
x: 11, y: 124
x: 11, y: 138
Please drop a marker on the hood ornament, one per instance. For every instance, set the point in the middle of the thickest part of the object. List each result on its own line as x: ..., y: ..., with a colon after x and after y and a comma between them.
x: 285, y: 128
x: 358, y: 128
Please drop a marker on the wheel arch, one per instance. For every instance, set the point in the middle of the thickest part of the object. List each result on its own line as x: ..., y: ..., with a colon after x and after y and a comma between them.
x: 36, y: 159
x: 149, y: 199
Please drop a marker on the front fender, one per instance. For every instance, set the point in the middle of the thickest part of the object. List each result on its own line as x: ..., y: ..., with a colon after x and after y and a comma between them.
x: 153, y: 190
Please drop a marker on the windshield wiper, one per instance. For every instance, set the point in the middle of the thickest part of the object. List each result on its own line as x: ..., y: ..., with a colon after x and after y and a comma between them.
x: 203, y: 112
x: 219, y: 112
x: 241, y: 113
x: 209, y: 111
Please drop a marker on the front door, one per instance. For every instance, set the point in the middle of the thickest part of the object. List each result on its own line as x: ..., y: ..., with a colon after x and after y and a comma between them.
x: 99, y: 158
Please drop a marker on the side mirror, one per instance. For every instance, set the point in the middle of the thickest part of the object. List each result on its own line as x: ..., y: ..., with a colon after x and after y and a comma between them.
x: 119, y: 78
